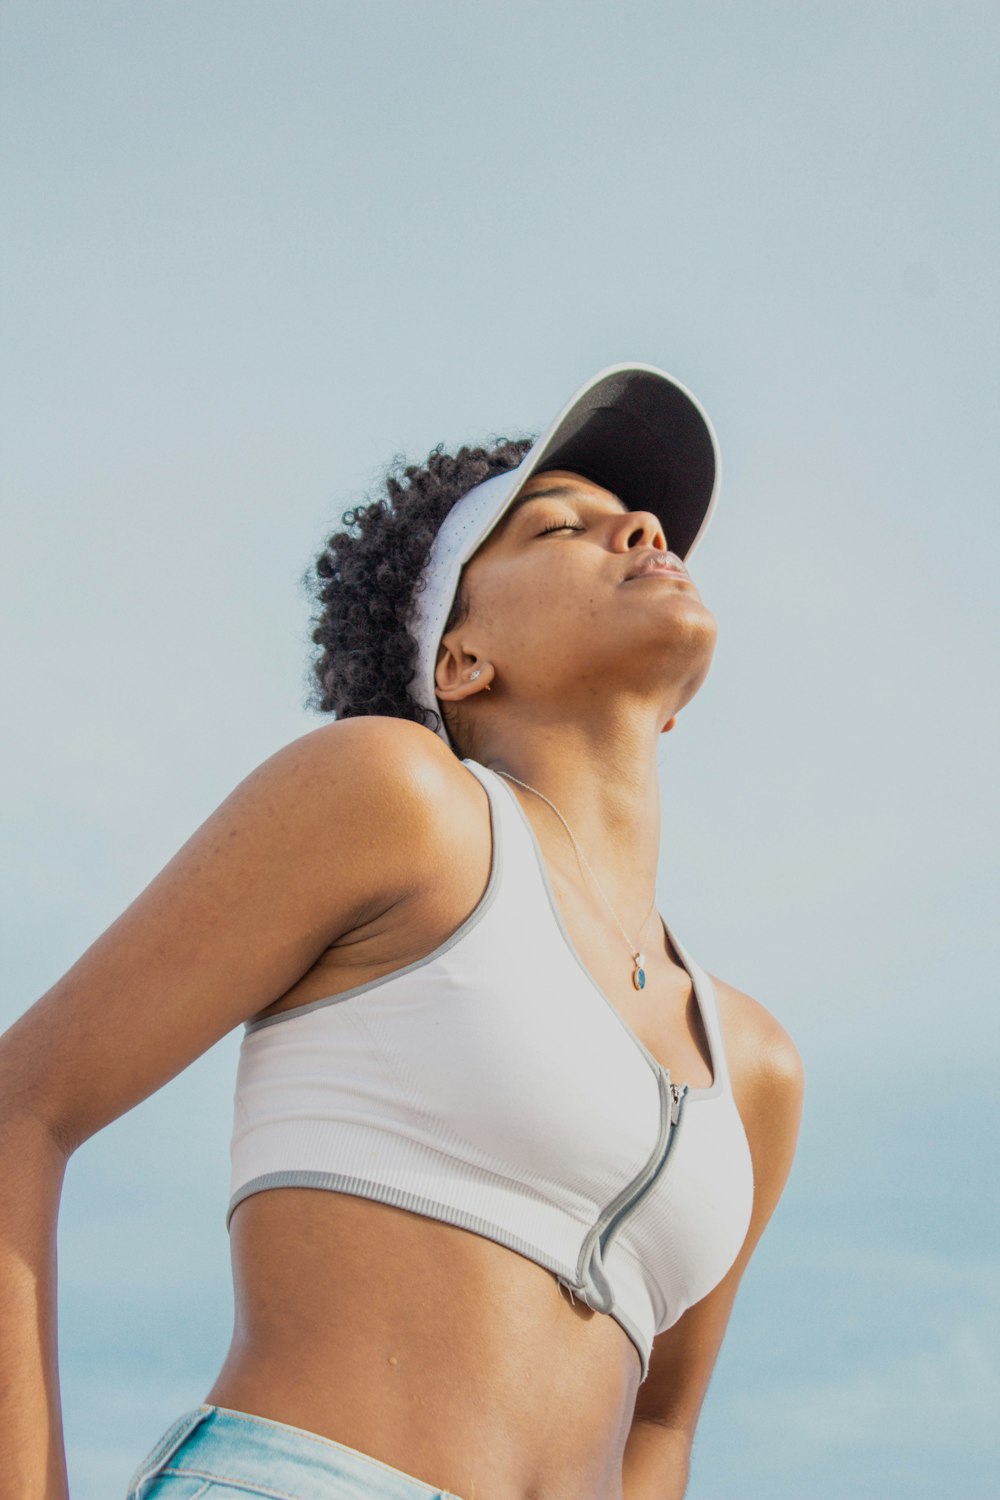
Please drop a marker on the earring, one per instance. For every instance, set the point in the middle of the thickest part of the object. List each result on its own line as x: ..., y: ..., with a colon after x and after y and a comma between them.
x: 475, y: 674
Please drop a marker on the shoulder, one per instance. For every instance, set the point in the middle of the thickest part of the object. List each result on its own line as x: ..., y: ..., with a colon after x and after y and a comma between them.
x: 370, y: 789
x: 768, y: 1078
x: 757, y: 1044
x: 767, y: 1069
x: 369, y: 809
x: 372, y: 757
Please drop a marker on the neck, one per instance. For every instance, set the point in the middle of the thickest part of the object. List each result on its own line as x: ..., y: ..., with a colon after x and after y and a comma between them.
x: 609, y: 797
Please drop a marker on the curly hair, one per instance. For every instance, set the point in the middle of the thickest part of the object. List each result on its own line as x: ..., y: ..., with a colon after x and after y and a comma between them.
x: 366, y: 577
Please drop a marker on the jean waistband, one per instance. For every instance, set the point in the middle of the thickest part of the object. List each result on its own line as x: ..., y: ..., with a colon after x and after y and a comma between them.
x: 273, y: 1459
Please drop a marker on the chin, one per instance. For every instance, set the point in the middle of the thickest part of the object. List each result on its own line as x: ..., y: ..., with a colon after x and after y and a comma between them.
x: 694, y: 632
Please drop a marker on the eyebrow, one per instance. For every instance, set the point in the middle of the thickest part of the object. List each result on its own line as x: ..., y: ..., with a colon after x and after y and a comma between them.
x: 565, y: 488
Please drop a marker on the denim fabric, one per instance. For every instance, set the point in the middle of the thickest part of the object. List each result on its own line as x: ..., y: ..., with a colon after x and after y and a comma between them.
x: 231, y: 1455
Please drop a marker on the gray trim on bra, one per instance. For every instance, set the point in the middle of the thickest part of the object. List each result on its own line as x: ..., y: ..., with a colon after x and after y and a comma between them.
x: 361, y: 1187
x: 474, y: 917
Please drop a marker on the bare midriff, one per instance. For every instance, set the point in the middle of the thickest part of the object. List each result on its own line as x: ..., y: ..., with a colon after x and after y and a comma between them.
x: 433, y: 1349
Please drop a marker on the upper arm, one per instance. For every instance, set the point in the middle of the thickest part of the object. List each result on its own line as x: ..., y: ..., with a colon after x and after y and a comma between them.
x: 769, y: 1091
x: 330, y: 828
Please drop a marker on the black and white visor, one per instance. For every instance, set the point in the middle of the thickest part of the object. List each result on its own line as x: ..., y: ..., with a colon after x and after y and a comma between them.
x: 634, y: 430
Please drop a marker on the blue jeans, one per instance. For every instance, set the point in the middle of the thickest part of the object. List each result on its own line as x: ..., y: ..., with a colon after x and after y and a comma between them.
x: 232, y: 1455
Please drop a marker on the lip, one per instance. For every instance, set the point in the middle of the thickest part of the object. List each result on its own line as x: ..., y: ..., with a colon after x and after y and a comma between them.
x: 659, y: 572
x: 659, y: 560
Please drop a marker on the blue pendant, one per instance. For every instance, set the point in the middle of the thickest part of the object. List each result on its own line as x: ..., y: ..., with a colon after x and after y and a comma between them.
x: 639, y: 978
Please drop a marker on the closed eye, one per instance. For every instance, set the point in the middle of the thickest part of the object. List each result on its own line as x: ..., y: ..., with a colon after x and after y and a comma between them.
x: 560, y: 526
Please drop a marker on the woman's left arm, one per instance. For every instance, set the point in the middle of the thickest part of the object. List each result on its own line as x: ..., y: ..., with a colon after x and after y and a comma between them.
x: 768, y: 1086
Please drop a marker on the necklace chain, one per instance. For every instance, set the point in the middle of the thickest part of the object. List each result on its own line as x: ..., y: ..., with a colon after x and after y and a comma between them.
x: 639, y: 973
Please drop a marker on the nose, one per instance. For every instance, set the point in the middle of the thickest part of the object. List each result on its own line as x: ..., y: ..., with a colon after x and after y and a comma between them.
x: 642, y: 528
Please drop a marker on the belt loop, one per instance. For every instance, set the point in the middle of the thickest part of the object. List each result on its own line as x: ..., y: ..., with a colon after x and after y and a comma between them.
x: 165, y: 1449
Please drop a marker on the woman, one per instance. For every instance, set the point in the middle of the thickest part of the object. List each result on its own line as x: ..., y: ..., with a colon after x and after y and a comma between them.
x: 502, y: 1149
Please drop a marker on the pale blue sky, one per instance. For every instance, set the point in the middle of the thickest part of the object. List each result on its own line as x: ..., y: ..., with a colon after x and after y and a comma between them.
x: 251, y: 251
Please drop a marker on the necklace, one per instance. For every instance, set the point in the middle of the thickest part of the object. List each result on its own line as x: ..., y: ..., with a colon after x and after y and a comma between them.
x: 638, y: 959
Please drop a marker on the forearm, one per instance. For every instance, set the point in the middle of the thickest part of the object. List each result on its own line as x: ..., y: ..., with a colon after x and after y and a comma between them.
x: 32, y: 1167
x: 657, y: 1462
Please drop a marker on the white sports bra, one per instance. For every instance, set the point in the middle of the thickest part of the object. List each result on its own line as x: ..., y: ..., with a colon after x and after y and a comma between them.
x: 494, y: 1086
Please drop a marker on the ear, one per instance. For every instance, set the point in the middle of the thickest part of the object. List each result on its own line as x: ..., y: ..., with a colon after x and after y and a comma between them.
x: 451, y: 675
x: 669, y: 724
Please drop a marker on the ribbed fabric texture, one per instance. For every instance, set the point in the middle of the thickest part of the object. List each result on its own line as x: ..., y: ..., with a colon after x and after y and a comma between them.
x: 494, y: 1086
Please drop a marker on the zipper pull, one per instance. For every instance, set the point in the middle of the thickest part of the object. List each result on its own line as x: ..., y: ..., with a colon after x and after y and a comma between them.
x: 677, y: 1093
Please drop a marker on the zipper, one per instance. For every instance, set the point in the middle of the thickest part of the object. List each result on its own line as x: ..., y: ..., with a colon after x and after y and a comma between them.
x: 612, y: 1228
x: 595, y: 1289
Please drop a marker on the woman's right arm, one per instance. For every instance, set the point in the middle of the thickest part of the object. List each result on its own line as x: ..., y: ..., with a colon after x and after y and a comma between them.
x: 331, y: 830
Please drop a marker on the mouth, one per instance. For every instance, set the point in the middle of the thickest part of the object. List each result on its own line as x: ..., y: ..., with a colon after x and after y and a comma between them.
x: 658, y: 563
x: 673, y: 573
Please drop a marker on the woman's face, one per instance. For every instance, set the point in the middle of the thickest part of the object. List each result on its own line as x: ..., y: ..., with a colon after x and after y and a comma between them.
x: 553, y: 611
